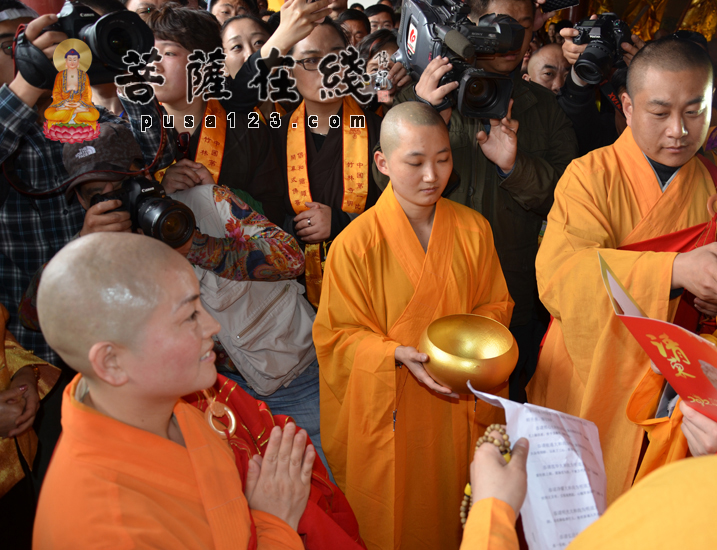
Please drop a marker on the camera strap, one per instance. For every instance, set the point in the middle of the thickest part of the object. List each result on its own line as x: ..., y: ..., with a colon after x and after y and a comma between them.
x: 440, y: 107
x: 609, y: 92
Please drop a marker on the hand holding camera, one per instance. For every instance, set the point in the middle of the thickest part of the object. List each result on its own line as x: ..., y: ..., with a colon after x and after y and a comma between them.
x: 44, y: 41
x: 104, y: 217
x: 596, y: 45
x: 428, y: 88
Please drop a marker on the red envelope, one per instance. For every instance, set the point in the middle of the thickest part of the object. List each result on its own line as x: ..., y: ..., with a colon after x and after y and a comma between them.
x: 687, y: 361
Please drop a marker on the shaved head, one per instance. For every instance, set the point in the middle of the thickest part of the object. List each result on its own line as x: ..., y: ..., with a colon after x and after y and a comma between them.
x: 544, y: 55
x: 401, y: 118
x: 669, y: 54
x: 102, y: 288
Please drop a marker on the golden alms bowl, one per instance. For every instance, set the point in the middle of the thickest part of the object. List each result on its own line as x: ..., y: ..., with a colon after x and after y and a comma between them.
x: 468, y: 347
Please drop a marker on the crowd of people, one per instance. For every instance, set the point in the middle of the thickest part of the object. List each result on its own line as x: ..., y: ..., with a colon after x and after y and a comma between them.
x: 258, y: 382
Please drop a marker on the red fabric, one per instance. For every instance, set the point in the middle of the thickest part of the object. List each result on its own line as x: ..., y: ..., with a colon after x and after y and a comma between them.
x: 328, y: 522
x: 684, y: 241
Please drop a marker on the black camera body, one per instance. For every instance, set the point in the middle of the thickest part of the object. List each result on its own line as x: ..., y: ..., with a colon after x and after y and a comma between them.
x: 152, y: 211
x: 603, y: 37
x: 109, y: 37
x: 433, y: 28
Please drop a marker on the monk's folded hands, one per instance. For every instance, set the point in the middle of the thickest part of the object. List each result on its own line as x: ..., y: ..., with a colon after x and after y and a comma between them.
x: 279, y: 482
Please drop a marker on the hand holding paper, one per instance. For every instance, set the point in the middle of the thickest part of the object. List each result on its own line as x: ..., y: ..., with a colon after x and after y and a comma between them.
x: 492, y: 477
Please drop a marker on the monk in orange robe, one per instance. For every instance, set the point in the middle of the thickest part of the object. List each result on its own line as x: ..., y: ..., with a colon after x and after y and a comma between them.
x: 642, y: 203
x: 398, y: 443
x: 136, y: 466
x: 72, y: 96
x: 672, y: 508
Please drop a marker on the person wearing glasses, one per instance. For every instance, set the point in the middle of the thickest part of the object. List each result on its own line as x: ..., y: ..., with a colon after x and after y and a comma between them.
x: 327, y: 177
x: 239, y: 157
x: 12, y: 14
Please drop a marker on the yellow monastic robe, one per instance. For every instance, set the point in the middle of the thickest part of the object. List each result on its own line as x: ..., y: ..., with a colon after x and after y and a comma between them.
x: 590, y: 364
x: 59, y: 112
x: 673, y: 508
x: 403, y: 479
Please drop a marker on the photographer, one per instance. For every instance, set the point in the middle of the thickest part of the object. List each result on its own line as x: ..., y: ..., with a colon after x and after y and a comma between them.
x: 593, y: 128
x: 34, y: 227
x: 508, y: 169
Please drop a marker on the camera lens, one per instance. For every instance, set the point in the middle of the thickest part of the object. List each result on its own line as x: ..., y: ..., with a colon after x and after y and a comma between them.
x: 165, y: 219
x: 594, y: 63
x: 114, y: 34
x: 173, y: 226
x: 119, y: 41
x: 480, y: 93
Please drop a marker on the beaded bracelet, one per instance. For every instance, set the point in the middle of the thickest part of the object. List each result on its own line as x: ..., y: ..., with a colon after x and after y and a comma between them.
x: 503, y: 444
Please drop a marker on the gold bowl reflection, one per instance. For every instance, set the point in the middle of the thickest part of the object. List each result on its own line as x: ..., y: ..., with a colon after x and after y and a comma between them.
x: 469, y: 347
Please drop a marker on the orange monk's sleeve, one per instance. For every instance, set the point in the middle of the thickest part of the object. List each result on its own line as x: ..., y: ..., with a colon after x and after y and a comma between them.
x: 491, y: 298
x: 275, y: 534
x: 490, y: 526
x: 567, y: 266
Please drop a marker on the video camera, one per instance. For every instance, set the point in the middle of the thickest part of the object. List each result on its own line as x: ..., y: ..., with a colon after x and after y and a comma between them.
x: 109, y: 37
x: 152, y: 211
x: 603, y: 37
x: 433, y: 28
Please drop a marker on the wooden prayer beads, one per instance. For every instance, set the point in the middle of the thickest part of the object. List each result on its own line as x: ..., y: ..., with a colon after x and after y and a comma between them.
x: 503, y: 444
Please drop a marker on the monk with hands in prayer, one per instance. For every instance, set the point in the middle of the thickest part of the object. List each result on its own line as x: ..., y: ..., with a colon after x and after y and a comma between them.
x: 138, y: 467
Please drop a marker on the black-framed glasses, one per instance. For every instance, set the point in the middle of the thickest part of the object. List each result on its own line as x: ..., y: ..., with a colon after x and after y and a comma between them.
x: 310, y: 63
x: 7, y: 47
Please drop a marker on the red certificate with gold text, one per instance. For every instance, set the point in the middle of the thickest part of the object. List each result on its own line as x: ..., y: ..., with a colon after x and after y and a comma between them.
x: 687, y: 361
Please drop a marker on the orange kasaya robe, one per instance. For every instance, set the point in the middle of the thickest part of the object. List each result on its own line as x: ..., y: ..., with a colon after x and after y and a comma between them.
x: 399, y: 451
x: 112, y: 485
x: 590, y: 364
x: 328, y: 522
x: 673, y: 508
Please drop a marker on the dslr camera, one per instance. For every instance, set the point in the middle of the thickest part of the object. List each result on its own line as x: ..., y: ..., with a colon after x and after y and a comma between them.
x: 603, y: 37
x: 152, y: 211
x: 432, y: 28
x: 109, y: 37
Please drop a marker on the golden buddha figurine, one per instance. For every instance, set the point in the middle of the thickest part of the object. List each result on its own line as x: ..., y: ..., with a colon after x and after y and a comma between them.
x: 72, y: 118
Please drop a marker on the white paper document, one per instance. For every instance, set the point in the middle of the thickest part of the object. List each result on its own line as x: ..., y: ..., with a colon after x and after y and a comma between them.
x: 566, y: 473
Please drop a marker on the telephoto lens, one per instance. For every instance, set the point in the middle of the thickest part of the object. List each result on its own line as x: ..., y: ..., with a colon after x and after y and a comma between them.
x: 165, y: 219
x: 114, y: 34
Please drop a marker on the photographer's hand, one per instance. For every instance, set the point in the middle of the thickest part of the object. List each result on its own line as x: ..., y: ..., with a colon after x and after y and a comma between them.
x: 399, y: 77
x: 631, y: 49
x: 98, y: 218
x: 540, y: 17
x: 298, y: 19
x: 427, y: 87
x: 47, y: 42
x: 501, y: 145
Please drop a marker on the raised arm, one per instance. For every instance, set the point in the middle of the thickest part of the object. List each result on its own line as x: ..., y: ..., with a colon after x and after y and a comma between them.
x: 255, y: 249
